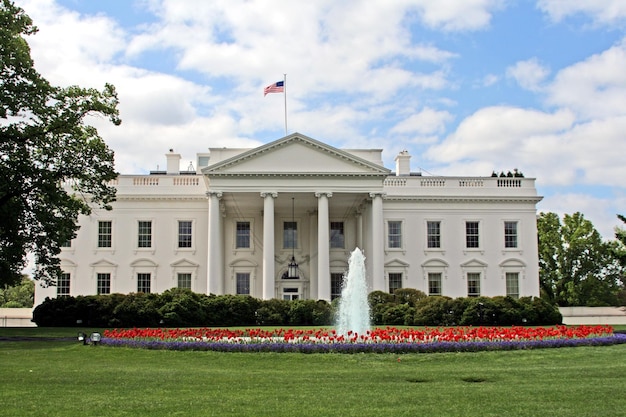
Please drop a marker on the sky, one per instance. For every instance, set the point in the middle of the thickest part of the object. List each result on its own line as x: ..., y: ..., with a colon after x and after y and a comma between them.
x: 468, y: 87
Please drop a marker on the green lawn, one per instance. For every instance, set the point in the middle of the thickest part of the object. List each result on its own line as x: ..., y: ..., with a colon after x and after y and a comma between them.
x: 64, y: 378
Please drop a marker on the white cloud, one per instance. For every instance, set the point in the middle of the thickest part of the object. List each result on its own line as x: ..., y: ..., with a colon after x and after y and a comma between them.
x: 425, y: 122
x: 489, y: 80
x: 600, y: 11
x: 454, y: 15
x: 595, y: 87
x: 529, y: 74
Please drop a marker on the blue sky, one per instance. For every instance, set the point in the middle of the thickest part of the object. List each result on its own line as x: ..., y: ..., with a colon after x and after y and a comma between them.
x: 466, y: 86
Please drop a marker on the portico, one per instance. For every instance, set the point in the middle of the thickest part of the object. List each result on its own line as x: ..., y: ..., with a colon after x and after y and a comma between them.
x: 331, y: 192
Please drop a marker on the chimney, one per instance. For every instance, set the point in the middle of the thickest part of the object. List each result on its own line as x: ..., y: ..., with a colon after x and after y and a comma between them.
x: 403, y: 163
x: 173, y: 162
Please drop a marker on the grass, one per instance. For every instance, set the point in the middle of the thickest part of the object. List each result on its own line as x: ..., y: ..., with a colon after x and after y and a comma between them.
x: 64, y: 378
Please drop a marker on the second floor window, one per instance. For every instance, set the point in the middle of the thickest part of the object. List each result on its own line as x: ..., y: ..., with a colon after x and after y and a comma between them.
x: 337, y: 239
x: 433, y: 230
x: 184, y: 234
x: 105, y: 234
x: 394, y: 235
x: 144, y: 234
x: 471, y: 235
x: 510, y: 234
x: 290, y: 235
x: 243, y: 235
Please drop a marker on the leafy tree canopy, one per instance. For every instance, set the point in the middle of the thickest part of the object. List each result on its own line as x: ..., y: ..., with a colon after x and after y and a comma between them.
x: 45, y: 146
x: 576, y: 267
x: 18, y: 296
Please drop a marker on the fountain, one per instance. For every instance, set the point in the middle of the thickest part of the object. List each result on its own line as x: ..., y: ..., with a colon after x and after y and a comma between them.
x: 354, y: 310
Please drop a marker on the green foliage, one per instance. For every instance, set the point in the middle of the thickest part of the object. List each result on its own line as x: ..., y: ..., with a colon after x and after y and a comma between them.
x: 577, y: 268
x: 44, y: 144
x: 409, y: 296
x: 437, y: 311
x: 466, y: 311
x: 18, y: 296
x: 183, y: 308
x: 274, y: 312
x: 398, y: 314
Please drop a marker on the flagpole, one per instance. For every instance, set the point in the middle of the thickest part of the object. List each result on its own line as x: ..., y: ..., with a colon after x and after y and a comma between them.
x: 285, y: 94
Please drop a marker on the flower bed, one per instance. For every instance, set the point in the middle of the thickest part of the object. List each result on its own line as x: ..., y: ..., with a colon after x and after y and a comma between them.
x: 381, y: 340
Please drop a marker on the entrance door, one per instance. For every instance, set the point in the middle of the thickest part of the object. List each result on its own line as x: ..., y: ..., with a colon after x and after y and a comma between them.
x: 291, y: 293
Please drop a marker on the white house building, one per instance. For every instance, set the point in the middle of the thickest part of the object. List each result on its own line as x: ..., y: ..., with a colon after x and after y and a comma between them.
x: 235, y: 223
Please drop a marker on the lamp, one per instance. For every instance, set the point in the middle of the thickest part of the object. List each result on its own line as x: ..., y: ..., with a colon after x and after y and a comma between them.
x: 82, y: 337
x: 292, y: 268
x: 95, y: 338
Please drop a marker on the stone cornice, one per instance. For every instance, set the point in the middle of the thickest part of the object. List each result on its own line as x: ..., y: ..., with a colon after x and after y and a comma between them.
x: 162, y: 197
x: 462, y: 199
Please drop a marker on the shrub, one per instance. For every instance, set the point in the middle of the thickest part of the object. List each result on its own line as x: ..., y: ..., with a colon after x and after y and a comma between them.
x: 436, y: 311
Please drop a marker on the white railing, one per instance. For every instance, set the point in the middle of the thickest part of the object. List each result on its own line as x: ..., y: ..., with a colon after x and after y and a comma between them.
x: 458, y: 182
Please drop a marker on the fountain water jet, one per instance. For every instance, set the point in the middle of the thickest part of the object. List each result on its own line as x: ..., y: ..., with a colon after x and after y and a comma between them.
x: 354, y: 310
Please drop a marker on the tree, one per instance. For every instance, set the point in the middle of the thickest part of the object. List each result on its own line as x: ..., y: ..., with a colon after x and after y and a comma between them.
x: 18, y: 296
x: 45, y: 146
x: 620, y: 245
x: 575, y: 266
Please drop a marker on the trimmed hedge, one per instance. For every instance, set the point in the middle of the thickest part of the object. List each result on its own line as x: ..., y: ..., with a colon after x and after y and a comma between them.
x: 184, y: 308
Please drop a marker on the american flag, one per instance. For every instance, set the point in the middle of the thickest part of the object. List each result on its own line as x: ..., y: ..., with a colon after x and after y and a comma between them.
x: 277, y: 87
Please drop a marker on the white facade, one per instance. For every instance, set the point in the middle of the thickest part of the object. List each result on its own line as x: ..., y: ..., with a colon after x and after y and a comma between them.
x: 227, y: 228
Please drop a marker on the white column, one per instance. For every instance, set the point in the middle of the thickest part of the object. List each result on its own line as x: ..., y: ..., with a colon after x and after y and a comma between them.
x: 359, y: 229
x: 268, y: 245
x: 312, y: 245
x: 378, y: 248
x: 215, y: 278
x: 323, y: 246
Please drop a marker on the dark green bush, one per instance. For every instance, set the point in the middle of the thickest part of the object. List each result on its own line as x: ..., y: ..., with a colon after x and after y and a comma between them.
x: 181, y: 308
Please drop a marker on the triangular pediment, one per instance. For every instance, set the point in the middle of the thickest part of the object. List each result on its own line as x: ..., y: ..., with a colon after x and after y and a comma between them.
x: 296, y: 154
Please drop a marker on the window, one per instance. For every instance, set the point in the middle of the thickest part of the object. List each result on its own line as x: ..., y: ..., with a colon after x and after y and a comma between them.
x: 336, y: 285
x: 510, y: 234
x: 291, y: 294
x: 433, y: 231
x: 104, y: 283
x: 394, y: 235
x: 337, y: 238
x: 63, y: 285
x: 184, y: 280
x: 512, y: 284
x: 243, y: 235
x: 144, y: 234
x: 434, y: 283
x: 290, y: 235
x: 184, y: 234
x: 105, y: 234
x: 143, y: 283
x: 473, y: 284
x: 471, y: 235
x: 66, y: 244
x: 243, y: 283
x: 395, y: 281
